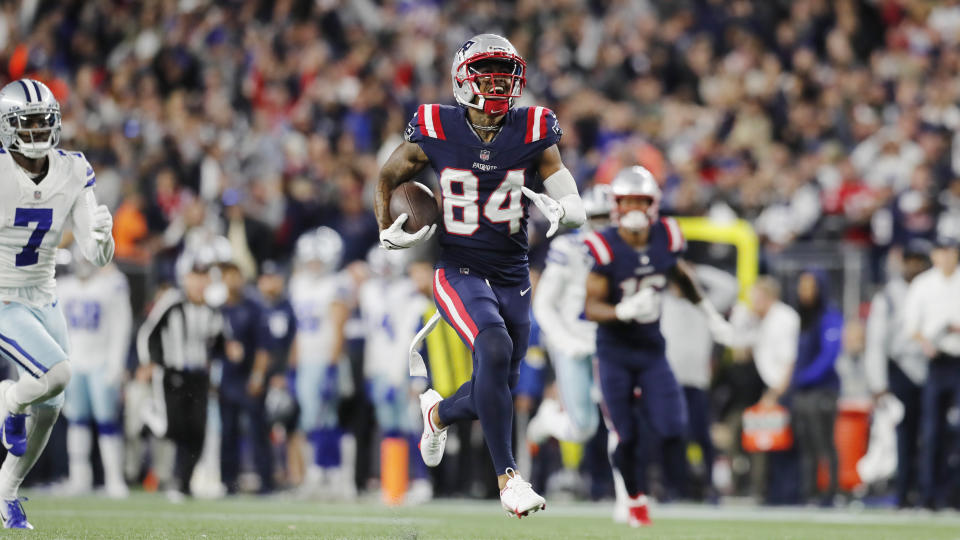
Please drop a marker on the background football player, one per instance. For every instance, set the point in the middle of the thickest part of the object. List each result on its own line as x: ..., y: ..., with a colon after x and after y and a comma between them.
x: 320, y: 297
x: 97, y: 308
x: 633, y: 262
x: 45, y: 190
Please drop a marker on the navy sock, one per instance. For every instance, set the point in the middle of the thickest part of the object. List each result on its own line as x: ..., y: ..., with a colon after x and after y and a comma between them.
x: 491, y: 396
x: 459, y: 406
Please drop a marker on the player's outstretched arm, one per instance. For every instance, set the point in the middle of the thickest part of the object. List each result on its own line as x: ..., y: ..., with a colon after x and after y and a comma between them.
x: 720, y: 328
x: 93, y: 227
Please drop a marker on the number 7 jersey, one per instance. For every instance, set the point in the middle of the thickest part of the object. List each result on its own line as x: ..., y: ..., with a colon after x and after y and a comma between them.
x: 483, y: 211
x: 34, y: 216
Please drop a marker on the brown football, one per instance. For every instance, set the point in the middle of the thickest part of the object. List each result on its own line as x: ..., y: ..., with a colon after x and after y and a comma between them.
x: 418, y: 202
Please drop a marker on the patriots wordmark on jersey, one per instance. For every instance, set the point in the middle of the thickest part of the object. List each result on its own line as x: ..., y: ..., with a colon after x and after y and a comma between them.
x: 484, y: 221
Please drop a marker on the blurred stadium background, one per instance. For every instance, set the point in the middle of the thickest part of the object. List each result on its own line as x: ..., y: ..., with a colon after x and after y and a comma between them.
x: 823, y: 130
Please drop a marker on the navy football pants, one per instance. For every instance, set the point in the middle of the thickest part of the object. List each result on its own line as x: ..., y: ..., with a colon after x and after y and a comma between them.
x: 494, y: 321
x: 632, y: 385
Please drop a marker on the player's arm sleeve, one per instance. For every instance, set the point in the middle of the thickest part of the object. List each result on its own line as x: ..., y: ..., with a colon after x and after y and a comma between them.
x: 97, y: 252
x: 719, y: 286
x: 875, y: 350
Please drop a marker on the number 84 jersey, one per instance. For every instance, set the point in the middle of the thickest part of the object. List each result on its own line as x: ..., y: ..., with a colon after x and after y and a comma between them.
x: 484, y: 213
x: 33, y: 217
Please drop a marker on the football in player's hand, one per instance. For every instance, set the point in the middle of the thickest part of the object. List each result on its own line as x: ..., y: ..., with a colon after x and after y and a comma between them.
x: 418, y: 202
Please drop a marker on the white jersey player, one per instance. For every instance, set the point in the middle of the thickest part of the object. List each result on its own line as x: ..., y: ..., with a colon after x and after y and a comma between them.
x: 97, y: 308
x: 392, y: 310
x: 569, y: 338
x: 320, y: 298
x: 44, y: 191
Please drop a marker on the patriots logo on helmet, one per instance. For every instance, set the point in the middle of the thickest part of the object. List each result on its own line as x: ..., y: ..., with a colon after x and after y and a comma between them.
x: 466, y: 46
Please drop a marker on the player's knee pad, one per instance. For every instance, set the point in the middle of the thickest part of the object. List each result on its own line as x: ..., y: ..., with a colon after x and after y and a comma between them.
x: 494, y: 348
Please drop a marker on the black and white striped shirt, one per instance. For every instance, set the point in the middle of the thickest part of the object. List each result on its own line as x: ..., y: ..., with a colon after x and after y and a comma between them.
x: 179, y: 334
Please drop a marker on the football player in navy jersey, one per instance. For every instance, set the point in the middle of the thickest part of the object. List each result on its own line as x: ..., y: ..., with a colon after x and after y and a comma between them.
x: 488, y: 155
x: 633, y: 260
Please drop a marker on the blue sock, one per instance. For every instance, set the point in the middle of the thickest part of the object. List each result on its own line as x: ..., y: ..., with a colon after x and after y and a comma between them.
x: 328, y: 447
x: 108, y: 428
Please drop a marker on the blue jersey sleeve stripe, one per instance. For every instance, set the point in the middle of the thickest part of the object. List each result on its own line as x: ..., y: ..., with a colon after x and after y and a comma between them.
x: 92, y: 181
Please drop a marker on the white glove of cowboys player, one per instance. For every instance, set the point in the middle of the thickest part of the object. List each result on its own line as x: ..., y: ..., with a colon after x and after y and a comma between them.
x: 101, y: 223
x: 550, y: 208
x: 642, y: 306
x: 394, y: 237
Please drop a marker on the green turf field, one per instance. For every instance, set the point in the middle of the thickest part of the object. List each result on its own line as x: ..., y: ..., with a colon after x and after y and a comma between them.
x: 151, y: 516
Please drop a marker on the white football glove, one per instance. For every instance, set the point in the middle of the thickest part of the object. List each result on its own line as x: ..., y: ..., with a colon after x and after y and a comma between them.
x: 551, y: 209
x: 394, y: 237
x: 642, y: 306
x: 101, y: 223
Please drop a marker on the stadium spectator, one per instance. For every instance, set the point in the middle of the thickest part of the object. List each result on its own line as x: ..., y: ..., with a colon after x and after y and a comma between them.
x: 931, y: 313
x: 815, y: 385
x: 895, y: 363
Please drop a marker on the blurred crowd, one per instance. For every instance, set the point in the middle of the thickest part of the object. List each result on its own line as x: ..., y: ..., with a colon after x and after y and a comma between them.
x: 238, y: 126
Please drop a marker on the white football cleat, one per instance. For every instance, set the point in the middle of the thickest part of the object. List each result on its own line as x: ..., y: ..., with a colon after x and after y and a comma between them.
x: 518, y: 498
x: 434, y: 439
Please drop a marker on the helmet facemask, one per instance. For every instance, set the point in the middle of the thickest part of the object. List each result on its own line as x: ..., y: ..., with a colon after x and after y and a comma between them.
x: 636, y: 219
x: 32, y: 132
x: 495, y: 78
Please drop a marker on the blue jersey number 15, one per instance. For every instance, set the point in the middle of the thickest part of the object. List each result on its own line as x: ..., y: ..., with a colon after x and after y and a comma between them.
x: 43, y: 217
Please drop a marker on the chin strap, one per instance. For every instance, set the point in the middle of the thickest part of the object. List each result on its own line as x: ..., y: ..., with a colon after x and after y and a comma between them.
x: 496, y: 107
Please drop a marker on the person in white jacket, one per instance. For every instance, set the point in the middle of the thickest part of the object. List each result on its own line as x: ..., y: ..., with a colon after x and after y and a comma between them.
x: 895, y: 363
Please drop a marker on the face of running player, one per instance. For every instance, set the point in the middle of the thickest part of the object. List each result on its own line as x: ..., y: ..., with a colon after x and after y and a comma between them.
x: 494, y: 84
x: 40, y: 125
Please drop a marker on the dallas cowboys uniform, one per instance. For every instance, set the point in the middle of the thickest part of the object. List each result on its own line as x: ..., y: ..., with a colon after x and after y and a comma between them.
x: 100, y: 321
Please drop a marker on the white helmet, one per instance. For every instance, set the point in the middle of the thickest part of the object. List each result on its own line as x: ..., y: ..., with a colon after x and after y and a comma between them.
x: 323, y: 245
x: 480, y: 48
x: 29, y: 118
x: 598, y: 200
x: 636, y: 181
x: 386, y: 263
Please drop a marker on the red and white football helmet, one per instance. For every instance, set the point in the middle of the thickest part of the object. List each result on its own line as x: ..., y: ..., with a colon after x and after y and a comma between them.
x: 635, y: 181
x: 466, y: 87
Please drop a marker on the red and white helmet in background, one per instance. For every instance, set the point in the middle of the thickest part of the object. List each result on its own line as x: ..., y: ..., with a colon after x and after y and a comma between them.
x: 636, y: 181
x: 480, y: 48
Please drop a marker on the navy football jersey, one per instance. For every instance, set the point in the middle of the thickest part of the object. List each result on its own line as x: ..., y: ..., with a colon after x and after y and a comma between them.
x: 628, y: 270
x: 484, y: 213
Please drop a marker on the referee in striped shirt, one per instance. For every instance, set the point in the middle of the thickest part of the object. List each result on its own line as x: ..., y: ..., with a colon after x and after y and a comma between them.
x: 180, y: 338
